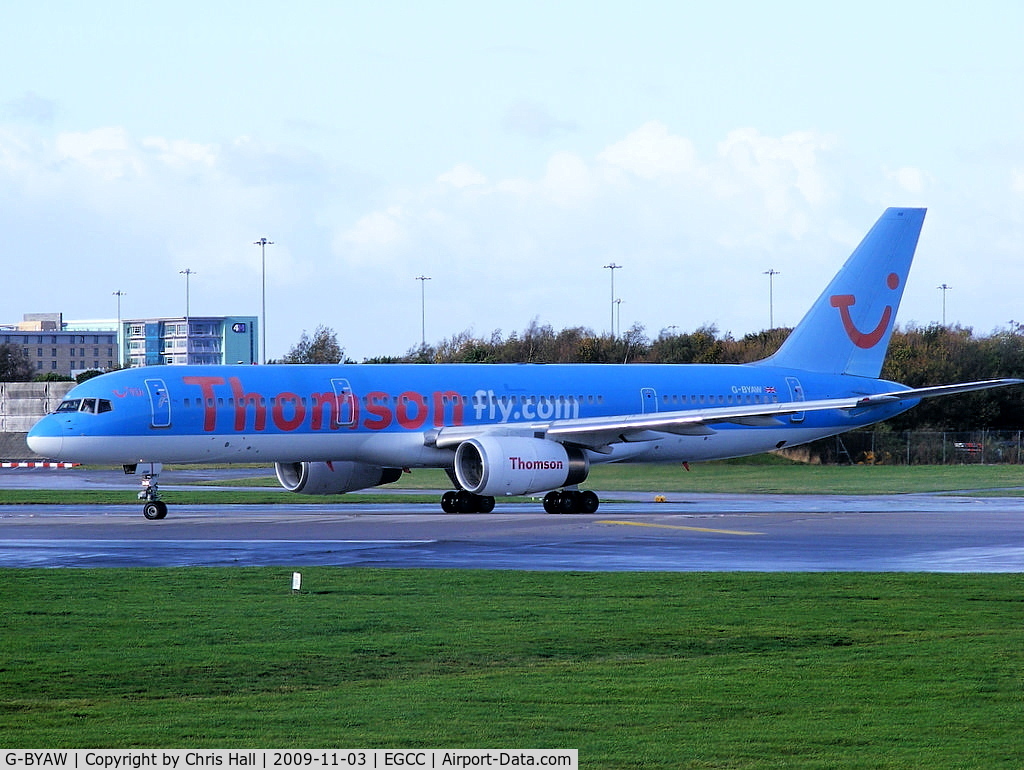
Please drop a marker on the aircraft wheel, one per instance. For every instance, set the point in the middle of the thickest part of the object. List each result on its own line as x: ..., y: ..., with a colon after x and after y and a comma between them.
x: 449, y: 502
x: 569, y: 502
x: 155, y: 509
x: 552, y: 502
x: 589, y: 502
x: 465, y: 502
x: 484, y: 503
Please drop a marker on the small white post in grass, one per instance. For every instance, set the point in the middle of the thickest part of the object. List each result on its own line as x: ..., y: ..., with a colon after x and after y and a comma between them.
x: 296, y: 582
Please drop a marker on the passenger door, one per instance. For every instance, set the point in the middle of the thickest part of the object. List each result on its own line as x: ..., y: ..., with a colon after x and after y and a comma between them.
x: 796, y: 392
x: 345, y: 400
x: 159, y: 404
x: 648, y: 401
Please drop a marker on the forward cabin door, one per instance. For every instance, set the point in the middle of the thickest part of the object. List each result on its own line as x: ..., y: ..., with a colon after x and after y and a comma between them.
x: 159, y: 404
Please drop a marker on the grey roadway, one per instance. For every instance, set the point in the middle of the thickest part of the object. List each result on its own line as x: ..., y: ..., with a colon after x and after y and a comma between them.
x: 948, y: 533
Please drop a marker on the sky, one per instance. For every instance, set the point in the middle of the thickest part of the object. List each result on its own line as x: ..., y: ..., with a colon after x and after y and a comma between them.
x: 508, y: 151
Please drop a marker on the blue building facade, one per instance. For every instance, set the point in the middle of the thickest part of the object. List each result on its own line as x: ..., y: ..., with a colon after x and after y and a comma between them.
x: 192, y: 340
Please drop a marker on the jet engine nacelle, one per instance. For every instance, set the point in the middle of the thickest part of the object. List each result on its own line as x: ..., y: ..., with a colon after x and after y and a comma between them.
x: 333, y: 478
x: 512, y: 465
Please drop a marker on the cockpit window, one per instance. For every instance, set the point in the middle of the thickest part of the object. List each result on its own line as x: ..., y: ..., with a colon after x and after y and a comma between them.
x: 89, y: 405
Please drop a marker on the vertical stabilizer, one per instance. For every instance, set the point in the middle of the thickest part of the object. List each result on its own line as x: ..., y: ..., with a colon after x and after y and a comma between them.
x: 847, y: 330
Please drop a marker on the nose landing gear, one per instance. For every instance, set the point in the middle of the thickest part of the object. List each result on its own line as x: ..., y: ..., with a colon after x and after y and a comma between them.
x: 153, y: 508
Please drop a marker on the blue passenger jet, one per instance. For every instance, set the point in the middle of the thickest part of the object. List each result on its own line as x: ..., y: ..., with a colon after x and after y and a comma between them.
x: 508, y: 429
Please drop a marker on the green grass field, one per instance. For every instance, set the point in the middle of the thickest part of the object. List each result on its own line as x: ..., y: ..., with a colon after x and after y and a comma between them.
x: 766, y: 475
x: 635, y: 670
x: 770, y: 475
x: 795, y: 478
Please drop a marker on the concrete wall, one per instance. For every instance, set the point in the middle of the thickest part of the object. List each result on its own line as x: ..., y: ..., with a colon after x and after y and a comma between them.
x: 21, y: 405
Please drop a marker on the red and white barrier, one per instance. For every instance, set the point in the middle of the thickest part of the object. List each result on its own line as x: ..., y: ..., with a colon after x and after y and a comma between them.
x: 38, y: 465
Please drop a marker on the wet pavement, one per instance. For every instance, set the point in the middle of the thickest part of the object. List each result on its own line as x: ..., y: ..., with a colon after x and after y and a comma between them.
x: 713, y: 532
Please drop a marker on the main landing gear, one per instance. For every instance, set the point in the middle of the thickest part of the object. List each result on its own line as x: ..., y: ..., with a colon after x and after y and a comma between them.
x: 558, y: 501
x: 571, y: 501
x: 466, y: 502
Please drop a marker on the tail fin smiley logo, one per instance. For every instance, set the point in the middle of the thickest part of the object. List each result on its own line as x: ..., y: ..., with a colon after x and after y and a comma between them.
x: 861, y: 339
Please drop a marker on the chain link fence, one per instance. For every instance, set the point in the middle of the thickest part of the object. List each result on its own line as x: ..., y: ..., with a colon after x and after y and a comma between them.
x: 920, y: 448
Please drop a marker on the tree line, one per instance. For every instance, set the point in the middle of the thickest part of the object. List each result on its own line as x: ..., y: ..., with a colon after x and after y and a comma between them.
x: 918, y: 357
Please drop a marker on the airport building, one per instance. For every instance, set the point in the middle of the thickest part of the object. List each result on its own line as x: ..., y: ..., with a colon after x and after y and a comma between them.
x: 69, y: 348
x: 55, y: 347
x: 192, y: 340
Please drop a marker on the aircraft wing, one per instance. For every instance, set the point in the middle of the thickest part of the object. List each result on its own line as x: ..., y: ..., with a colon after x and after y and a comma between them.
x: 597, y: 433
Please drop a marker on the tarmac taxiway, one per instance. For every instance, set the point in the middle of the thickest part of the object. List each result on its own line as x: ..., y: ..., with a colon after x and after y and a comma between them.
x: 696, y: 532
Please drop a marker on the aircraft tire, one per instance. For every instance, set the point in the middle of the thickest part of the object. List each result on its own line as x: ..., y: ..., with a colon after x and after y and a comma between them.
x: 552, y: 501
x: 465, y: 502
x: 449, y: 502
x: 571, y: 501
x: 155, y: 510
x: 484, y: 503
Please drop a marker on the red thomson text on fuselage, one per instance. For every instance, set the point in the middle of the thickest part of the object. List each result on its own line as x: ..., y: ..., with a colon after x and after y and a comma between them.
x: 326, y: 410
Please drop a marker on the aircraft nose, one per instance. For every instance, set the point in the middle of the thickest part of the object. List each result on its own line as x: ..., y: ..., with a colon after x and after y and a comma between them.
x: 46, y: 438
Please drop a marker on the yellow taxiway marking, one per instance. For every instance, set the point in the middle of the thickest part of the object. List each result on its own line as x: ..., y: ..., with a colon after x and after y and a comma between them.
x: 674, y: 526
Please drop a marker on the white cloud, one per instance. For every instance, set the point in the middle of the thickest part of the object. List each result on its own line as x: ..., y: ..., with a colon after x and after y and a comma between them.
x: 568, y: 180
x: 776, y: 182
x: 107, y: 152
x: 19, y: 155
x: 122, y: 205
x: 909, y: 179
x: 778, y: 166
x: 462, y: 175
x: 377, y: 229
x: 181, y: 153
x: 691, y: 226
x: 651, y: 152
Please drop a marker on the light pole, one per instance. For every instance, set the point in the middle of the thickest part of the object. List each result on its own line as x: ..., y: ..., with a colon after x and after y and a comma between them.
x: 187, y: 272
x: 423, y: 309
x: 618, y: 314
x: 613, y: 267
x: 120, y: 346
x: 263, y: 243
x: 944, y: 288
x: 771, y: 273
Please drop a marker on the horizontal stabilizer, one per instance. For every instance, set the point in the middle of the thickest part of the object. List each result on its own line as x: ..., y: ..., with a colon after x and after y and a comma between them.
x: 937, y: 390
